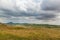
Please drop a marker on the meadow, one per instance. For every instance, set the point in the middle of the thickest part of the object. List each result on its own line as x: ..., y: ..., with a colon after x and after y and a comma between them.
x: 8, y: 32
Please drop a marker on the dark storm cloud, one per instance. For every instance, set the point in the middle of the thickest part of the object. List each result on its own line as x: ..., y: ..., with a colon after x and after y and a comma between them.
x: 18, y: 14
x: 34, y: 9
x: 52, y: 9
x: 51, y: 5
x: 46, y: 17
x: 38, y: 16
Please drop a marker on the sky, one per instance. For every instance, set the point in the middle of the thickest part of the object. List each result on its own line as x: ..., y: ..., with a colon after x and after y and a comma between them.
x: 30, y: 11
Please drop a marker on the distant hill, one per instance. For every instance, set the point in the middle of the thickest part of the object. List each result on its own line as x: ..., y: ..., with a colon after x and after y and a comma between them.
x: 35, y: 25
x: 29, y: 25
x: 3, y: 25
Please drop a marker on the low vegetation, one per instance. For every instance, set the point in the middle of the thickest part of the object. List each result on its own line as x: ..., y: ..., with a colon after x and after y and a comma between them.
x: 29, y: 32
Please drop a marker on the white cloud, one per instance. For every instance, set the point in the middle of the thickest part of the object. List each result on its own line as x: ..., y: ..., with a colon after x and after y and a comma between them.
x: 7, y: 4
x: 31, y: 11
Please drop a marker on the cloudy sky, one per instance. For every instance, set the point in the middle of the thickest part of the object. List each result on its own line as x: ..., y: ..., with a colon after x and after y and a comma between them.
x: 30, y: 11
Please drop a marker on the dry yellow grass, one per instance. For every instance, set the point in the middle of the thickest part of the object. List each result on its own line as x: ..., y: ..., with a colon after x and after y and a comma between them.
x: 33, y: 33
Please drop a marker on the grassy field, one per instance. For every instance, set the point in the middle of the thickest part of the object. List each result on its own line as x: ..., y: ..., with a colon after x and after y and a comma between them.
x: 23, y: 33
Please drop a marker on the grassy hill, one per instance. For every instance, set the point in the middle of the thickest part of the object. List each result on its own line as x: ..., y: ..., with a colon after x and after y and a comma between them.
x: 9, y: 32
